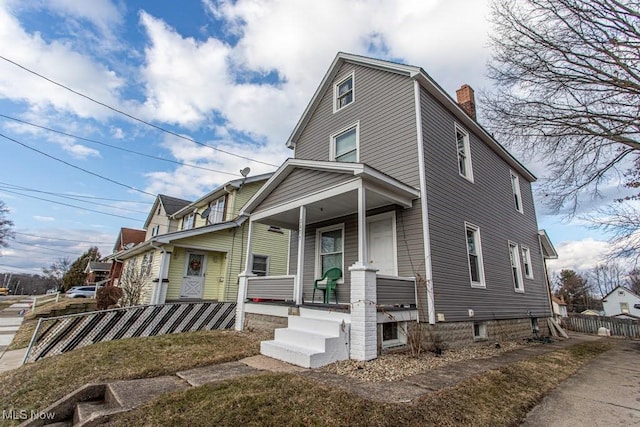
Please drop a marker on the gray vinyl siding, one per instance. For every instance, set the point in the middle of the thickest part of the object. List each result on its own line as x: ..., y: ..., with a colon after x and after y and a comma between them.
x: 384, y: 106
x: 300, y: 183
x: 408, y: 235
x: 488, y: 204
x: 280, y: 288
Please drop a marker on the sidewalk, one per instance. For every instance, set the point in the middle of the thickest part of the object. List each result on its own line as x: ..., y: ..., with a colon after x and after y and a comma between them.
x: 10, y: 321
x: 606, y: 392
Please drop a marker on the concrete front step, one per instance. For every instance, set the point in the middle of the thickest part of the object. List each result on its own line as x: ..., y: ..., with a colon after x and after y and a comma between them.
x: 310, y: 342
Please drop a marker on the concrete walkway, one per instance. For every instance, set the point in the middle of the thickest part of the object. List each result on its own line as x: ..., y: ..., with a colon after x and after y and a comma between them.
x: 10, y: 321
x: 606, y: 393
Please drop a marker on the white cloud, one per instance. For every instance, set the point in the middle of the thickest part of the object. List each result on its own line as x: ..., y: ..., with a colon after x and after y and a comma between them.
x: 578, y: 255
x: 43, y: 218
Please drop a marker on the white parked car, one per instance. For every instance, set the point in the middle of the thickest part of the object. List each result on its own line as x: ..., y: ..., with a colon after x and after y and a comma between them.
x: 81, y: 292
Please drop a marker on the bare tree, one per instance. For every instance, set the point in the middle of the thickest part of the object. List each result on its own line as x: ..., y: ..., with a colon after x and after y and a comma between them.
x: 56, y: 271
x: 606, y: 277
x: 567, y: 80
x: 5, y: 225
x: 133, y: 282
x: 622, y: 222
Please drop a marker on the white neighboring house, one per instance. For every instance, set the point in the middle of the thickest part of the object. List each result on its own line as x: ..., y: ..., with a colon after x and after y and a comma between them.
x: 621, y: 301
x: 559, y: 307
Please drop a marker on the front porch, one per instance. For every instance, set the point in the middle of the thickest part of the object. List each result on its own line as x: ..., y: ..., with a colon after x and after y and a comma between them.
x: 346, y: 220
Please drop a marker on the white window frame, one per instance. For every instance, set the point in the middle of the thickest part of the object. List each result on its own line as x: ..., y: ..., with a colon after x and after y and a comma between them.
x: 266, y: 257
x: 189, y: 221
x: 336, y: 96
x: 319, y: 231
x: 332, y: 141
x: 155, y: 230
x: 478, y: 243
x: 514, y: 256
x: 526, y: 262
x: 467, y: 153
x: 624, y: 310
x: 517, y: 194
x: 214, y: 206
x: 482, y: 334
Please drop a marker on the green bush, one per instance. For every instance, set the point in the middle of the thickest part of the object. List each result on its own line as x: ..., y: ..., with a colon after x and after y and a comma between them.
x: 108, y: 296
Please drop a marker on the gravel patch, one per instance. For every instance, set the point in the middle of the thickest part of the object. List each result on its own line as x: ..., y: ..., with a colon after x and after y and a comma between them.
x: 395, y: 366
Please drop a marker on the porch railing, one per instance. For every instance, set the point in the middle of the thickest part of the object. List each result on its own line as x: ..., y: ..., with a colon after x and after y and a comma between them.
x: 270, y: 288
x: 396, y: 291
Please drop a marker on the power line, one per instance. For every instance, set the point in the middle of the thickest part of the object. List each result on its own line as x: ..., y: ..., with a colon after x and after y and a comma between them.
x: 44, y: 248
x: 59, y: 238
x: 133, y: 117
x: 115, y: 147
x: 66, y: 204
x: 20, y: 268
x: 15, y: 187
x: 74, y: 166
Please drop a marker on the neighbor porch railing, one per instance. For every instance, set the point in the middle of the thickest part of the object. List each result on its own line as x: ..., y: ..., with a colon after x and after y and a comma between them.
x: 395, y: 291
x: 278, y: 288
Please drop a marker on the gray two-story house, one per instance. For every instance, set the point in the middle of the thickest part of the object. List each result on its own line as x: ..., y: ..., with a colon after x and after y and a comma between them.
x: 427, y: 217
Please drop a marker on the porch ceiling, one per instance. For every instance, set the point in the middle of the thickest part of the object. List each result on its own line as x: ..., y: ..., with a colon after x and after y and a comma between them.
x: 326, y: 208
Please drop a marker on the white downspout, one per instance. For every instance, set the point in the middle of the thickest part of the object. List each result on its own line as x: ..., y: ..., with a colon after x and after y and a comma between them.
x: 423, y: 204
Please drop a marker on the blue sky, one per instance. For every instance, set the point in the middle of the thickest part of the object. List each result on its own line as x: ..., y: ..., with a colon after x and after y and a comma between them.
x: 235, y: 75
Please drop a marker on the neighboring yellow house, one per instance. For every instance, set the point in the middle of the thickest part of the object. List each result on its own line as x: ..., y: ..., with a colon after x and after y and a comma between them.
x: 202, y: 260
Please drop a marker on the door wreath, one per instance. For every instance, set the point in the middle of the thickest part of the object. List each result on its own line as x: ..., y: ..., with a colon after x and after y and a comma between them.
x: 195, y: 264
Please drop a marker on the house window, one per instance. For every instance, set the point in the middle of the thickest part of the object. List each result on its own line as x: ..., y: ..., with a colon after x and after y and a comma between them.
x: 624, y: 307
x: 515, y: 187
x: 464, y: 154
x: 216, y: 211
x: 343, y: 93
x: 155, y: 230
x: 526, y: 262
x: 260, y: 265
x: 329, y: 248
x: 474, y: 252
x: 344, y: 145
x: 188, y: 221
x: 480, y: 331
x: 515, y: 267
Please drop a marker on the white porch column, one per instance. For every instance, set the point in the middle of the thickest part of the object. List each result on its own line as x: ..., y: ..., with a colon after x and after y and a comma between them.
x: 243, y: 281
x: 165, y: 261
x: 298, y: 284
x: 364, y: 335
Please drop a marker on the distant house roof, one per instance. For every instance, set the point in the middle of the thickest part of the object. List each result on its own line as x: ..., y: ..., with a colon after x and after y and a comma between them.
x: 623, y: 288
x: 590, y: 312
x: 128, y: 236
x: 94, y: 266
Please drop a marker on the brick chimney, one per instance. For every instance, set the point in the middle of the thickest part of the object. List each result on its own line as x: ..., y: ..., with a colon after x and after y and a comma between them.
x: 466, y: 100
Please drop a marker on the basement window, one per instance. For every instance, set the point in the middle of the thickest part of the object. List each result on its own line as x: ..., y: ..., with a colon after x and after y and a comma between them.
x: 534, y: 325
x: 393, y: 335
x: 480, y: 331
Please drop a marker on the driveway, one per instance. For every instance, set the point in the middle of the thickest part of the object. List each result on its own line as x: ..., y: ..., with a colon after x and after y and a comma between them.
x: 606, y: 392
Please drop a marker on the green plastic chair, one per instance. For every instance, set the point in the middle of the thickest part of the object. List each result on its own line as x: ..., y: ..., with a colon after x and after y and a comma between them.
x: 331, y: 275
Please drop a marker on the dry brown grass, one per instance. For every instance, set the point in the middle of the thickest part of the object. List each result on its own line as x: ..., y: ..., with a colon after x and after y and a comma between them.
x: 496, y: 398
x: 37, y: 385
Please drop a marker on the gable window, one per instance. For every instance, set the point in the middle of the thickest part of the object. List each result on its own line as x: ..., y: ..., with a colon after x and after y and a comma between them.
x: 216, y: 211
x: 515, y: 187
x: 515, y: 267
x: 343, y: 93
x: 329, y: 248
x: 624, y: 307
x: 260, y: 265
x: 474, y: 253
x: 464, y: 154
x: 526, y: 262
x: 188, y: 221
x: 155, y: 230
x: 344, y: 145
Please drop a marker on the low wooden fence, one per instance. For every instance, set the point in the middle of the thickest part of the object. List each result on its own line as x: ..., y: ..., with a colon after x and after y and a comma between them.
x: 590, y: 325
x: 55, y: 335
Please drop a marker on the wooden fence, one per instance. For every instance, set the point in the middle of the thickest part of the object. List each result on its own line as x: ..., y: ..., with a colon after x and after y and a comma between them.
x: 590, y: 325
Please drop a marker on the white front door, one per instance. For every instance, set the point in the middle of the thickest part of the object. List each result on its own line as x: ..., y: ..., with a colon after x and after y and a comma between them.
x: 381, y: 240
x: 193, y: 279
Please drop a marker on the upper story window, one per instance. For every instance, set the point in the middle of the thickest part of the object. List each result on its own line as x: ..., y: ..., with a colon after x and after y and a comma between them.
x: 344, y: 145
x: 188, y: 221
x: 526, y: 262
x: 464, y: 154
x: 155, y: 230
x: 216, y: 211
x: 515, y: 267
x: 515, y: 187
x: 343, y: 93
x: 474, y: 252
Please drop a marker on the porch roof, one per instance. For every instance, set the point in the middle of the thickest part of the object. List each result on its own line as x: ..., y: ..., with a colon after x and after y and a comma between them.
x: 330, y: 200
